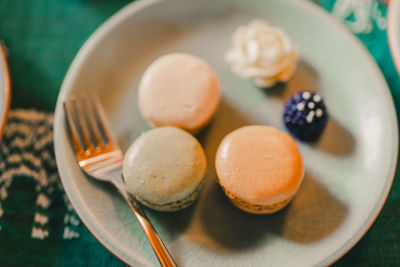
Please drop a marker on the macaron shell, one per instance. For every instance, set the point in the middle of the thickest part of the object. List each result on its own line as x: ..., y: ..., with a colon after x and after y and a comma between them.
x: 164, y: 165
x: 260, y: 165
x: 173, y: 206
x: 179, y: 90
x: 253, y: 208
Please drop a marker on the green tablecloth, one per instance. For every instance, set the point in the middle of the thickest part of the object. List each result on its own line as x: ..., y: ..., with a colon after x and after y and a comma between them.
x: 37, y: 225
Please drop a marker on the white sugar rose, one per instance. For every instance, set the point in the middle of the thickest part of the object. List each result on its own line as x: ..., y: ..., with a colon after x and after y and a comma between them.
x: 262, y: 53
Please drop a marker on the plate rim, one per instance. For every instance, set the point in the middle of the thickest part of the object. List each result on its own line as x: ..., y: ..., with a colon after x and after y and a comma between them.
x: 394, y: 43
x: 7, y: 88
x: 130, y: 10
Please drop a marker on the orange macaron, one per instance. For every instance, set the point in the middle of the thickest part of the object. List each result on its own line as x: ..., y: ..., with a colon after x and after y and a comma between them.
x: 259, y: 168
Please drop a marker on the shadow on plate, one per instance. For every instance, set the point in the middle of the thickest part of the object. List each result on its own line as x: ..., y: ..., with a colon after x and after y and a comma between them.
x: 226, y: 120
x: 171, y: 225
x: 335, y: 139
x: 313, y: 215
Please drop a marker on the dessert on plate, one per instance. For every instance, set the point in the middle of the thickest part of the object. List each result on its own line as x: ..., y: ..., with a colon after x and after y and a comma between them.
x: 259, y: 168
x: 262, y: 53
x: 179, y: 90
x: 164, y: 168
x: 305, y: 116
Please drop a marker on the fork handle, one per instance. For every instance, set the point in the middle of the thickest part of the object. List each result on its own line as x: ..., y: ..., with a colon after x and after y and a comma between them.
x: 163, y: 255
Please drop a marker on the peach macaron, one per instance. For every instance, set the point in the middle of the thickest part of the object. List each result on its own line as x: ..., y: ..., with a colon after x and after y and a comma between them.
x: 179, y: 90
x: 259, y: 168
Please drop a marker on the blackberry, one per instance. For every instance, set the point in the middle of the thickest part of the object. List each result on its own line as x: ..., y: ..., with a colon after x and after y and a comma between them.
x: 305, y: 116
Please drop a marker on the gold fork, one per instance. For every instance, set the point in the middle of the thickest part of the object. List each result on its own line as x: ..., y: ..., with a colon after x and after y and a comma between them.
x: 100, y: 157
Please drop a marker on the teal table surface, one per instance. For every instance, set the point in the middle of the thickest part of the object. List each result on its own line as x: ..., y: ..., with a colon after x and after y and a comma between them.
x: 43, y: 37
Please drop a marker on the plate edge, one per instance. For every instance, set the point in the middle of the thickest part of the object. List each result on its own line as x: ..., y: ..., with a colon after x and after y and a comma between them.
x: 7, y: 88
x: 393, y: 43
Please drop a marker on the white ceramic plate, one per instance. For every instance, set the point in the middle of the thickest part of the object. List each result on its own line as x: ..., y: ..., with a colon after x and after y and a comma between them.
x: 4, y: 88
x: 349, y: 172
x: 394, y: 32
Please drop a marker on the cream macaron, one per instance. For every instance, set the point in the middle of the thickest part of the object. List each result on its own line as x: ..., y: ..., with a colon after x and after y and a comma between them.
x: 179, y: 90
x: 164, y: 168
x: 260, y: 168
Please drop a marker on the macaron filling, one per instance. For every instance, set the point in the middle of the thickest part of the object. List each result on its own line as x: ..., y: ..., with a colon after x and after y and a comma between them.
x: 176, y: 205
x: 255, y: 208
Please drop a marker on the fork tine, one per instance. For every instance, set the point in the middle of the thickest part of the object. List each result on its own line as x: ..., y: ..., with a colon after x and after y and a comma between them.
x: 75, y: 137
x: 82, y: 123
x: 102, y: 120
x: 93, y: 125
